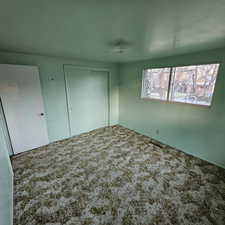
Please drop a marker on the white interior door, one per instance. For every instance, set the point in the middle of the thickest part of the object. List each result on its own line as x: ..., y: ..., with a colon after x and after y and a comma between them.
x: 20, y: 92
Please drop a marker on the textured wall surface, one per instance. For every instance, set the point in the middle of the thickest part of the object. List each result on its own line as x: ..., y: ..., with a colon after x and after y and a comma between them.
x: 197, y: 130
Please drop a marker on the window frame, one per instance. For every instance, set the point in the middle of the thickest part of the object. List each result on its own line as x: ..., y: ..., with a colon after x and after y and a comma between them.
x: 169, y: 84
x: 155, y: 99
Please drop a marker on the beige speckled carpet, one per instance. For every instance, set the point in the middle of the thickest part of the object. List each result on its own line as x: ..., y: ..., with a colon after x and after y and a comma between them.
x: 116, y: 176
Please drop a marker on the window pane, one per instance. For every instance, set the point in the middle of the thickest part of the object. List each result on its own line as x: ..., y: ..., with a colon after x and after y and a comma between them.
x: 155, y: 83
x: 193, y: 84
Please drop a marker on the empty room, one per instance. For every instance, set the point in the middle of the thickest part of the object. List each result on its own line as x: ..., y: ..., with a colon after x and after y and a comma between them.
x: 112, y: 112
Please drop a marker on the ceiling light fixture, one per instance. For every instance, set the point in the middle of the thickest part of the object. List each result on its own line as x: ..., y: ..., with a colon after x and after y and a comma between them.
x: 120, y: 46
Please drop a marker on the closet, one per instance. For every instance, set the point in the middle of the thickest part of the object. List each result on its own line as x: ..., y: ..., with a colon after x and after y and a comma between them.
x: 88, y: 98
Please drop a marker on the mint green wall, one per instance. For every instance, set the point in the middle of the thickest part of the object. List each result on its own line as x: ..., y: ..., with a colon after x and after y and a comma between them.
x: 6, y: 175
x: 5, y: 133
x: 6, y: 184
x: 53, y: 88
x: 197, y: 130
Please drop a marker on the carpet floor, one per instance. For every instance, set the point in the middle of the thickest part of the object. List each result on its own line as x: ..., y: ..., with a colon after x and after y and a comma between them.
x: 115, y: 176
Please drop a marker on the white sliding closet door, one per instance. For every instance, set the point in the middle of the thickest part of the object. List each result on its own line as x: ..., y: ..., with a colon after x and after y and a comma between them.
x: 20, y: 92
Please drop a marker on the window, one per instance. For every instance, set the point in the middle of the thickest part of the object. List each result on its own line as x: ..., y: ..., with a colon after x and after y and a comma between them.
x: 187, y: 84
x: 156, y: 83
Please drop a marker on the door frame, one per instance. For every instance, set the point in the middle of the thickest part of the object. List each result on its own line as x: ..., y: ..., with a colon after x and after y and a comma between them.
x: 7, y: 135
x: 67, y: 90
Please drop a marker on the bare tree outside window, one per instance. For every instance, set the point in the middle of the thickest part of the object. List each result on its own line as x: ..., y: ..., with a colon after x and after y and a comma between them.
x: 187, y: 84
x: 193, y: 84
x: 155, y: 83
